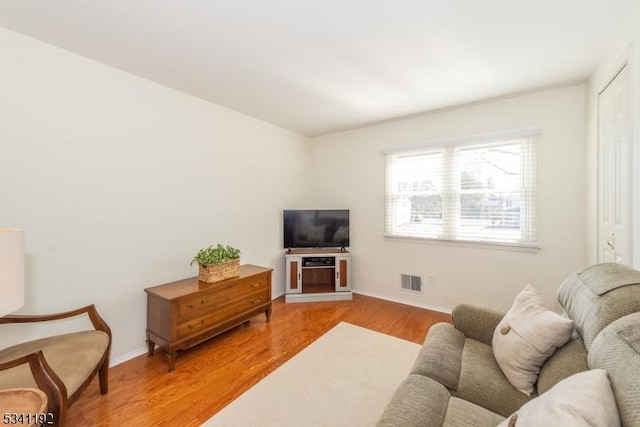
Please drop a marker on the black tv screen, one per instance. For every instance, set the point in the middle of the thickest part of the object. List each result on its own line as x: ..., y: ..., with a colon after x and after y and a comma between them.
x: 316, y: 228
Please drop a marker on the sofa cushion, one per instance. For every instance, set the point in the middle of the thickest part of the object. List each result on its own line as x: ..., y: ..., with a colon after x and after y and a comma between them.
x: 440, y: 357
x: 483, y: 383
x: 71, y: 356
x: 423, y: 402
x: 569, y: 359
x: 525, y: 338
x: 617, y: 349
x: 461, y: 413
x: 584, y: 399
x: 606, y: 277
x: 598, y: 295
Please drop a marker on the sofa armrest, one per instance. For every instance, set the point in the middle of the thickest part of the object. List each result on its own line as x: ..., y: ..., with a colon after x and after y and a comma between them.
x: 476, y: 322
x: 418, y: 401
x: 47, y: 381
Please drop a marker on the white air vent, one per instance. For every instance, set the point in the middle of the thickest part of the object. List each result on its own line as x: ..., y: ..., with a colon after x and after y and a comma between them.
x: 411, y: 283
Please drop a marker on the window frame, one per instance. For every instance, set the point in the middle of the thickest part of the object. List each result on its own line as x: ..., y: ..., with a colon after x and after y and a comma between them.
x: 526, y: 137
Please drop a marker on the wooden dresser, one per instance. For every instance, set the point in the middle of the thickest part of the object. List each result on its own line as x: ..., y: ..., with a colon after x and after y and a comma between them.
x: 187, y: 312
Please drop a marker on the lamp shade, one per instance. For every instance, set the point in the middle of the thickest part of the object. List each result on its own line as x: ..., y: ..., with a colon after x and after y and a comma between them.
x: 11, y: 270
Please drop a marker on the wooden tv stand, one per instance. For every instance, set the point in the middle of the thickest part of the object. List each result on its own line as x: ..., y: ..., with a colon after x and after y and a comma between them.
x: 318, y: 274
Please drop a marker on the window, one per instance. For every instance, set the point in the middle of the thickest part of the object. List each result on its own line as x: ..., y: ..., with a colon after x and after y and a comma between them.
x: 472, y: 189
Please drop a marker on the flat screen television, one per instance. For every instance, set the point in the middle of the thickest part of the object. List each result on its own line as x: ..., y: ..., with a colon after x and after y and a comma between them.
x: 316, y: 228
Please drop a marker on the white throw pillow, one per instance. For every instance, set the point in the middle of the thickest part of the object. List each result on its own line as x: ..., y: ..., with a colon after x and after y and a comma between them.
x: 584, y: 399
x: 527, y: 335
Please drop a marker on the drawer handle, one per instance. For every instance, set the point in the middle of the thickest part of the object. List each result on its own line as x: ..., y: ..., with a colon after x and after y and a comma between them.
x: 196, y: 325
x: 191, y: 304
x: 256, y: 301
x: 255, y: 285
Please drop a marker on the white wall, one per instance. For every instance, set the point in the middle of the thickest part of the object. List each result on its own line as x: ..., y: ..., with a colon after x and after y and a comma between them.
x: 349, y: 171
x: 118, y: 182
x: 627, y: 52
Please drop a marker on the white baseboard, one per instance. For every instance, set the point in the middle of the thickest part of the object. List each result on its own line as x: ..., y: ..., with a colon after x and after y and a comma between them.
x: 126, y: 357
x: 400, y: 301
x: 324, y: 296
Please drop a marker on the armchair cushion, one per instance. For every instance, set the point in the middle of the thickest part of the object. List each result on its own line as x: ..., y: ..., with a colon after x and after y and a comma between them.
x: 62, y: 353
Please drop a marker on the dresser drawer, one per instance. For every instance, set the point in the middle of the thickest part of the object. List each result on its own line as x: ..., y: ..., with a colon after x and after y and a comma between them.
x: 257, y: 281
x: 188, y: 327
x: 220, y: 295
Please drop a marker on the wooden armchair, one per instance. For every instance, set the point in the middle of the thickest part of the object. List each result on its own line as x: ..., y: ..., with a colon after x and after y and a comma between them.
x: 62, y: 366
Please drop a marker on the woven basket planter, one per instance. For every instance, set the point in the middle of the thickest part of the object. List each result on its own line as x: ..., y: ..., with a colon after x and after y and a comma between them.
x: 216, y: 272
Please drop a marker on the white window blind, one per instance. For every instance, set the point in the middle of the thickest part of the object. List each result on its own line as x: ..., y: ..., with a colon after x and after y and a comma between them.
x: 474, y: 189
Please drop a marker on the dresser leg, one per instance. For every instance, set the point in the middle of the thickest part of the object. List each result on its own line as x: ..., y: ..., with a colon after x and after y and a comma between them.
x: 267, y: 313
x: 172, y: 360
x: 150, y: 347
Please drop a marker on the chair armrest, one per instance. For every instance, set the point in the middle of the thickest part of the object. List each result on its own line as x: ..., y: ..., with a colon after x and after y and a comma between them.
x: 98, y: 323
x: 476, y: 322
x: 47, y: 381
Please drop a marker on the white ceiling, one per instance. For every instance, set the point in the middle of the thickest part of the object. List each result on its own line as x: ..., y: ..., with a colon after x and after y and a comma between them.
x: 317, y: 67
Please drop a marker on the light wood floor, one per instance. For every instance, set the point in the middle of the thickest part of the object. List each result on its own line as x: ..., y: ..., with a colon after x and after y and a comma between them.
x: 211, y: 375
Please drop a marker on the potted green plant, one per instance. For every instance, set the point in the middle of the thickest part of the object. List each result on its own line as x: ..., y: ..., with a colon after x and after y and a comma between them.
x: 217, y: 263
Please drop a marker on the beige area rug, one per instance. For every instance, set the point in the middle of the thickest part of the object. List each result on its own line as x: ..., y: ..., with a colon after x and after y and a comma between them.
x: 345, y: 378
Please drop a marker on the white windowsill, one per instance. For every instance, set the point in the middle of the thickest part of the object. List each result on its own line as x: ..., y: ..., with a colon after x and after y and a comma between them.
x: 516, y: 247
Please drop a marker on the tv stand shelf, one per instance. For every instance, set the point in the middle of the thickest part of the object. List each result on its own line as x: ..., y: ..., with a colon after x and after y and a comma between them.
x: 318, y: 274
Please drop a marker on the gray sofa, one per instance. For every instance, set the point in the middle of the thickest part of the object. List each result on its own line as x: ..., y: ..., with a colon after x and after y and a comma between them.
x: 456, y: 381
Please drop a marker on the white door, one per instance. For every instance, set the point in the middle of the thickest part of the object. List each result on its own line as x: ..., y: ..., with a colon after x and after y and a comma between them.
x: 614, y: 172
